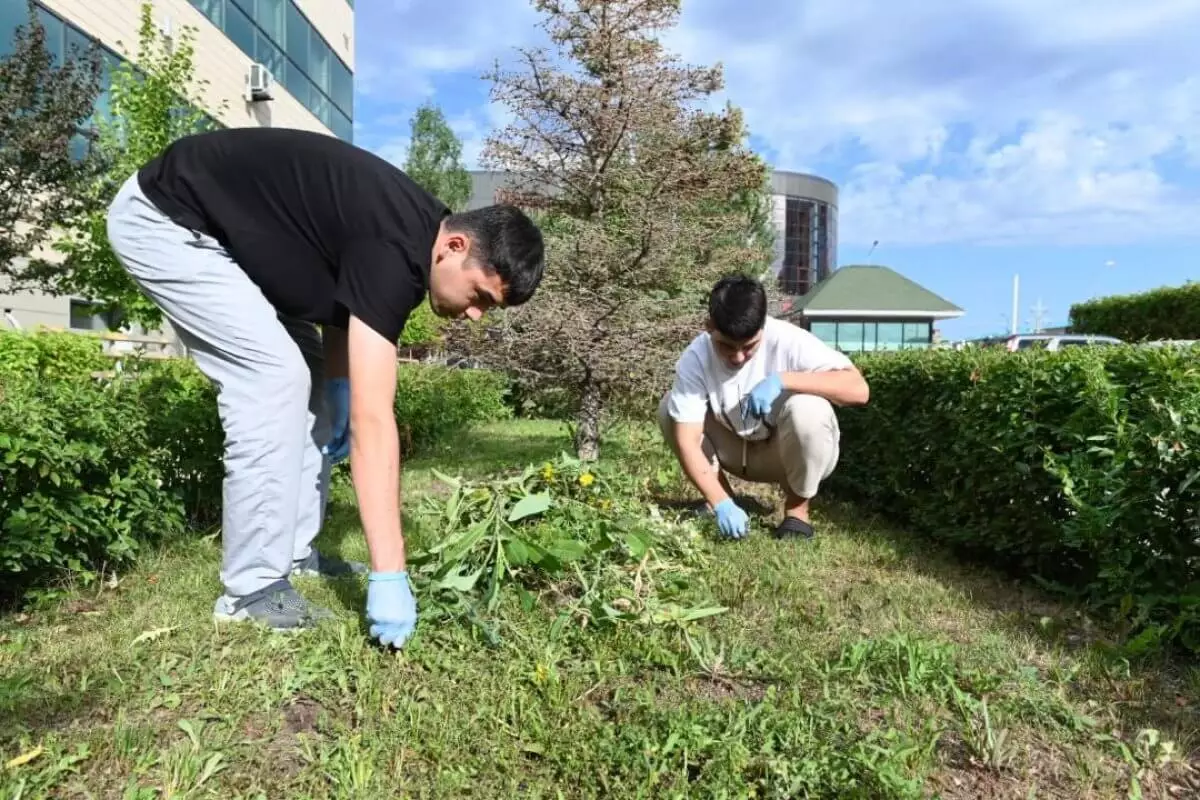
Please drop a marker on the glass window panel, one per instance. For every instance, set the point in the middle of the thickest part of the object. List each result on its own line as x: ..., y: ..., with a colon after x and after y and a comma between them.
x: 78, y: 44
x: 12, y: 14
x: 868, y: 344
x: 319, y: 104
x: 54, y: 33
x: 850, y: 336
x: 318, y: 62
x: 890, y: 335
x: 298, y: 35
x: 245, y: 5
x: 213, y: 9
x: 916, y: 334
x: 240, y: 29
x: 343, y: 88
x: 270, y: 56
x: 270, y: 17
x: 826, y: 332
x: 343, y: 128
x: 298, y: 84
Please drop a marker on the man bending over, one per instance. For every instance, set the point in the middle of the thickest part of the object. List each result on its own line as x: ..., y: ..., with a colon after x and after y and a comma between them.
x: 754, y: 396
x: 249, y: 239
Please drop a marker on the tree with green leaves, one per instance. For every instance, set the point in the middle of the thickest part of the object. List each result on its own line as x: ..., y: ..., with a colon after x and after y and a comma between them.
x: 154, y: 100
x: 44, y: 110
x: 435, y: 158
x: 644, y: 195
x: 435, y: 162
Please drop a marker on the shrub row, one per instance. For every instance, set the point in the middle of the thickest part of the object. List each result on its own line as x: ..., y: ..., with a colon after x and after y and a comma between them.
x: 1080, y: 469
x: 91, y: 469
x: 1166, y: 313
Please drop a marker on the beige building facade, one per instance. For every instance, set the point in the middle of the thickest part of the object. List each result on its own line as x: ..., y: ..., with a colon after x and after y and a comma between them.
x: 305, y: 46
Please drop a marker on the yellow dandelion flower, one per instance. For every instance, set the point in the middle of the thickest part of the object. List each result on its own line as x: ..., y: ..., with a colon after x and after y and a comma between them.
x: 548, y: 472
x: 586, y: 479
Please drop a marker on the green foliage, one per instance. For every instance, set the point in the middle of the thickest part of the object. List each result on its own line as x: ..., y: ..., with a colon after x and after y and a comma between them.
x: 180, y: 405
x: 435, y: 158
x: 43, y: 106
x: 89, y: 468
x: 51, y: 355
x: 434, y: 403
x: 422, y: 327
x: 1171, y: 312
x: 573, y: 530
x: 1079, y: 468
x: 78, y: 480
x: 153, y: 103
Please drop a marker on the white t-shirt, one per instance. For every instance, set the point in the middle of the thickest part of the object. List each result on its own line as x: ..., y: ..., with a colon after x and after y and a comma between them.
x: 704, y: 381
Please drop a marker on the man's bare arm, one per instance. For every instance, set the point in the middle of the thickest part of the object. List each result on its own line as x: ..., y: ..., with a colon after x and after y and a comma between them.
x: 843, y: 387
x: 375, y: 444
x: 689, y: 438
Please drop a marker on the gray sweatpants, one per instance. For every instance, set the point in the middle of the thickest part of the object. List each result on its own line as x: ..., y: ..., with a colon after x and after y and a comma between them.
x: 268, y: 372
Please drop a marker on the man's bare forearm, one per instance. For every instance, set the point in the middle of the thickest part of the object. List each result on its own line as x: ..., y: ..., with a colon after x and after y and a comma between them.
x: 375, y: 469
x: 843, y: 387
x: 697, y: 467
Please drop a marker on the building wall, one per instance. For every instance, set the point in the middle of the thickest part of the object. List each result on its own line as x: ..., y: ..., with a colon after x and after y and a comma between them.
x: 307, y: 44
x: 804, y: 210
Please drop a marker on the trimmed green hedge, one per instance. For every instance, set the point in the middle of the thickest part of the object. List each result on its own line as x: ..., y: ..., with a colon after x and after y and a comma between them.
x: 90, y: 470
x: 1079, y: 469
x: 1166, y: 313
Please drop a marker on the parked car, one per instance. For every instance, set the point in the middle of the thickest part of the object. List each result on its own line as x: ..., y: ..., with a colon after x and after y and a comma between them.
x: 1057, y: 341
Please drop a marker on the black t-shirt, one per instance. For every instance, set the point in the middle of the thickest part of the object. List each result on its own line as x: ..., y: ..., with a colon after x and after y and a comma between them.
x: 324, y: 228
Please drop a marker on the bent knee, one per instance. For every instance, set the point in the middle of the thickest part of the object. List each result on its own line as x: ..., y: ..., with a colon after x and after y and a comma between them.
x: 807, y: 414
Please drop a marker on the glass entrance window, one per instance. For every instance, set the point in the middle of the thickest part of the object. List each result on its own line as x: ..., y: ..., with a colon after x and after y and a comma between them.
x: 850, y: 337
x: 890, y: 335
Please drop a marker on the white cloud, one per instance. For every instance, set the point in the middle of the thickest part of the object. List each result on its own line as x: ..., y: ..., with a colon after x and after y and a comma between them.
x: 973, y: 120
x: 942, y: 120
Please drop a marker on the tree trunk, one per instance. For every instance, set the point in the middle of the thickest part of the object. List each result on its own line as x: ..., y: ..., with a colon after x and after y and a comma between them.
x: 587, y: 431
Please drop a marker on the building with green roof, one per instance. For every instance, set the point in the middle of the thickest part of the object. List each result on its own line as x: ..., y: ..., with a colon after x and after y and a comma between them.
x: 867, y: 307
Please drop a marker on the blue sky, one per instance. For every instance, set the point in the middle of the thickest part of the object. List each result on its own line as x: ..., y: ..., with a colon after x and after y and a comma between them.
x: 973, y: 139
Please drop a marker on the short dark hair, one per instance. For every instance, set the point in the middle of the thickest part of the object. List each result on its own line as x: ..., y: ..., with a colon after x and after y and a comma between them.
x: 505, y: 240
x: 737, y: 307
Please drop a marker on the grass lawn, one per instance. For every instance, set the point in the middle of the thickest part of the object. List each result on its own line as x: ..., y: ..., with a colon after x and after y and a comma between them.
x: 859, y: 665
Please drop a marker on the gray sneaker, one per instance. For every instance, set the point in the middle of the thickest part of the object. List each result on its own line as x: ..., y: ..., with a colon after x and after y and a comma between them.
x: 277, y: 606
x: 317, y: 565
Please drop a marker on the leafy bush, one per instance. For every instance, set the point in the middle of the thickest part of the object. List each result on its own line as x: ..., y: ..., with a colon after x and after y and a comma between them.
x: 1078, y: 468
x: 434, y: 402
x: 51, y: 354
x: 89, y: 468
x: 180, y: 405
x: 1166, y: 313
x: 79, y: 485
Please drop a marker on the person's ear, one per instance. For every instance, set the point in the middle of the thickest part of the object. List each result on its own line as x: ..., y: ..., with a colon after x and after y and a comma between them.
x: 458, y: 243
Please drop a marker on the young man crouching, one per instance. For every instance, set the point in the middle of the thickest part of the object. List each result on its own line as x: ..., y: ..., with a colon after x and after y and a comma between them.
x: 754, y: 396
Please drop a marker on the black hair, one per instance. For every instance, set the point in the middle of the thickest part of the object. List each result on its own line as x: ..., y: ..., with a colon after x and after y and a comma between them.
x: 737, y: 307
x: 505, y: 241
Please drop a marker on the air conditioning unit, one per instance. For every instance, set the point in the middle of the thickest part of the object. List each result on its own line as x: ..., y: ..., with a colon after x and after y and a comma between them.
x: 258, y: 84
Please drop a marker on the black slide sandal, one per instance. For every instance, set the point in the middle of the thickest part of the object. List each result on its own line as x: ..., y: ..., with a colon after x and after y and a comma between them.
x: 792, y: 528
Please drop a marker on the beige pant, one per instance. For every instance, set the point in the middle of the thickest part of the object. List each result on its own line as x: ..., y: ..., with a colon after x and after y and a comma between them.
x: 800, y: 454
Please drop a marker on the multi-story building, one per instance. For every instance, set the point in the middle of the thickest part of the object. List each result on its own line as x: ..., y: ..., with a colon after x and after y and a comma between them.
x: 804, y: 211
x: 306, y: 47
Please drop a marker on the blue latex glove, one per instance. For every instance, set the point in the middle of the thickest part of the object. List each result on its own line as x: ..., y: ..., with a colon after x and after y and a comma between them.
x: 337, y: 400
x: 731, y: 520
x: 764, y: 395
x: 391, y: 607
